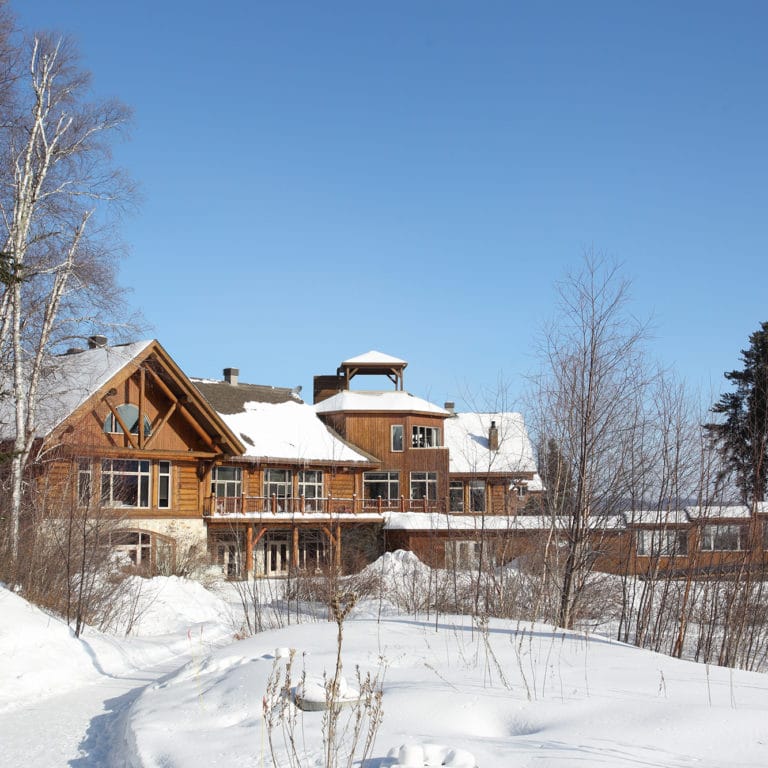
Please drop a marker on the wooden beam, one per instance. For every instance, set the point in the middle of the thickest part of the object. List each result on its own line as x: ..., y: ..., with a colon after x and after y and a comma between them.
x: 295, y: 542
x: 160, y: 425
x: 184, y: 411
x: 248, y: 549
x: 142, y: 386
x: 126, y: 432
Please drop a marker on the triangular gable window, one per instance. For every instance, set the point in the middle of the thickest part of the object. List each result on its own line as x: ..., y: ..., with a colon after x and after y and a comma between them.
x: 129, y: 414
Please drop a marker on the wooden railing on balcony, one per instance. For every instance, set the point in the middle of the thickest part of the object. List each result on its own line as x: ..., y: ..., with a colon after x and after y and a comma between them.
x: 329, y: 505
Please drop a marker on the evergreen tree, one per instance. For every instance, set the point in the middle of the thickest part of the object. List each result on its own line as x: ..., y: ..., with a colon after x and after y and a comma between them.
x: 557, y: 476
x: 742, y: 434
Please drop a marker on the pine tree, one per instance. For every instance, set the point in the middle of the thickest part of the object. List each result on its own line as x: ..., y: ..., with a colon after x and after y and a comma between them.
x: 557, y: 476
x: 742, y: 434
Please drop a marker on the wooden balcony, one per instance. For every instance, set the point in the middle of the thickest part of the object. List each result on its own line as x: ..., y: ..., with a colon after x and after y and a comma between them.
x: 254, y: 506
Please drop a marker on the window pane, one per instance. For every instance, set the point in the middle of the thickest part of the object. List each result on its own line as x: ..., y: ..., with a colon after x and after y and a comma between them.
x: 397, y: 437
x: 477, y: 495
x: 164, y: 484
x: 457, y: 496
x: 381, y: 484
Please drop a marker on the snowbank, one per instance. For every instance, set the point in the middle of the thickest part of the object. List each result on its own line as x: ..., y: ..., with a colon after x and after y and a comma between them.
x: 40, y: 653
x: 167, y: 605
x: 515, y: 695
x: 42, y: 657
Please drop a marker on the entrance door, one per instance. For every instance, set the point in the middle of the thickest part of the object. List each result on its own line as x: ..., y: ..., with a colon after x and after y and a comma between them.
x: 229, y: 559
x: 277, y: 554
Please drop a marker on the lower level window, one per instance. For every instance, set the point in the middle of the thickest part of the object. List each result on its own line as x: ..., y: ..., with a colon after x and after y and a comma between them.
x: 461, y: 554
x: 477, y: 495
x: 136, y: 546
x: 666, y: 543
x: 457, y: 496
x: 724, y: 538
x: 125, y: 483
x: 313, y: 551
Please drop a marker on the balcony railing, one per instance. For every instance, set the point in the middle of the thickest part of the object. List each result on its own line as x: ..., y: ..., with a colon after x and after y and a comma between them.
x: 329, y: 505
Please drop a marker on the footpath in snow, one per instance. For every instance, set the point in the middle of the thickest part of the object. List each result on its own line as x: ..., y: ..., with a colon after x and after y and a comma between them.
x: 183, y: 694
x: 63, y: 700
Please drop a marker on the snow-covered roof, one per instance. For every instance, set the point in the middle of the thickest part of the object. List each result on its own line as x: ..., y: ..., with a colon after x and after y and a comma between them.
x: 373, y: 357
x: 695, y: 513
x: 436, y: 521
x: 69, y: 380
x: 466, y: 436
x: 288, y: 430
x: 304, y: 517
x: 719, y: 510
x: 394, y: 401
x: 656, y: 517
x: 535, y: 483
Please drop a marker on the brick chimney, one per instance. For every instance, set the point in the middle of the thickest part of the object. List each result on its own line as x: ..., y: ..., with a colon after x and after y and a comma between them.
x: 231, y: 375
x: 493, y: 437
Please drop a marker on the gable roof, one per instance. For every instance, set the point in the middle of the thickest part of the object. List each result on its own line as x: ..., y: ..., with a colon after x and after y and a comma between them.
x: 395, y: 401
x: 228, y: 398
x: 274, y: 423
x: 70, y: 381
x: 466, y: 437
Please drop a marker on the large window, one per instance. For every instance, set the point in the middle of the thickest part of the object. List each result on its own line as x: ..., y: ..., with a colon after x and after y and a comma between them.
x: 397, y: 437
x: 477, y: 495
x: 724, y: 538
x: 424, y: 485
x: 125, y: 483
x: 226, y: 487
x: 129, y: 415
x: 425, y: 437
x: 311, y: 489
x: 278, y: 483
x: 668, y: 543
x: 384, y: 485
x: 457, y: 496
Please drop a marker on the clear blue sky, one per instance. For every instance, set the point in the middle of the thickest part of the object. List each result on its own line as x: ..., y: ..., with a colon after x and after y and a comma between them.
x: 324, y: 178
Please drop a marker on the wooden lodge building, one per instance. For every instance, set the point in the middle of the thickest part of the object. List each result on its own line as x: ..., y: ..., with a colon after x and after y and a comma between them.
x: 266, y: 483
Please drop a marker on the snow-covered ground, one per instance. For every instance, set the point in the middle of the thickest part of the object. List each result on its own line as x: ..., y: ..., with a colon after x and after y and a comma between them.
x: 181, y: 692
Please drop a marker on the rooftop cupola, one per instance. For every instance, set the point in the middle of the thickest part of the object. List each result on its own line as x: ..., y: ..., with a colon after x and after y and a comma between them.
x: 373, y: 363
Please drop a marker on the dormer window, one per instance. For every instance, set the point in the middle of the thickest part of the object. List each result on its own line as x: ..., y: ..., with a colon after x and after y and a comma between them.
x: 129, y: 415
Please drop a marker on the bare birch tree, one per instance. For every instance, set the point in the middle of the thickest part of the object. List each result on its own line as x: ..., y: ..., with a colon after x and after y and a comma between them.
x: 587, y: 399
x: 57, y: 188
